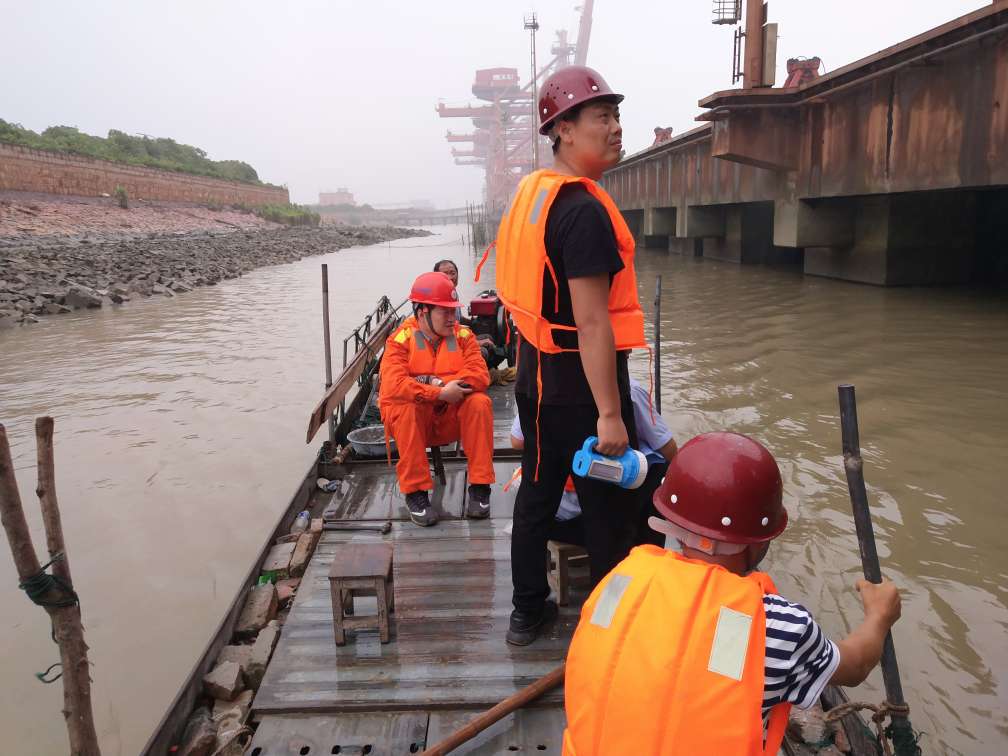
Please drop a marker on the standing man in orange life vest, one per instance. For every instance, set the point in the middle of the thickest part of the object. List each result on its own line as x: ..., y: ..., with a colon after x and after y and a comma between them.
x: 703, y: 633
x: 565, y: 272
x: 433, y: 391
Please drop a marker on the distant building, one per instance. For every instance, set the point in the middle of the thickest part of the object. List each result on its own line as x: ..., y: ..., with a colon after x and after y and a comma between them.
x: 341, y: 196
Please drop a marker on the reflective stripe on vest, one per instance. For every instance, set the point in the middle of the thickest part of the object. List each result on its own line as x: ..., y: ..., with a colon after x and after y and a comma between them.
x: 668, y: 659
x: 522, y: 262
x: 444, y: 362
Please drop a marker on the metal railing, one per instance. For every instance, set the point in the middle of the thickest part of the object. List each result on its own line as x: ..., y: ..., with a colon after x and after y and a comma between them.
x: 357, y: 340
x: 727, y: 11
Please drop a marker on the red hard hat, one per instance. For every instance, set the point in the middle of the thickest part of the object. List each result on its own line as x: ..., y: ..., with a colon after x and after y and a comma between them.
x: 434, y: 289
x: 724, y: 486
x: 568, y: 88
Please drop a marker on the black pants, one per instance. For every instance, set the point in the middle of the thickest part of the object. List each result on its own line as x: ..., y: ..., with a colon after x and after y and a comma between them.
x: 568, y: 531
x: 610, y: 514
x: 645, y: 534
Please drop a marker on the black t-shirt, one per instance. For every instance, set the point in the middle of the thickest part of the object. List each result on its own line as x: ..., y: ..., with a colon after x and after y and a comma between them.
x: 580, y: 242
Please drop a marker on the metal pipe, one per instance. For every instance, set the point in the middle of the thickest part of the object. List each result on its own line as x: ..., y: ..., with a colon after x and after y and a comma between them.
x: 533, y: 26
x: 657, y: 345
x: 342, y: 406
x: 902, y: 732
x: 752, y: 70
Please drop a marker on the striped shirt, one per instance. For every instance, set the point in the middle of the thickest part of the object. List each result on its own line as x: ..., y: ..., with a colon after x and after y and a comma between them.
x: 800, y: 659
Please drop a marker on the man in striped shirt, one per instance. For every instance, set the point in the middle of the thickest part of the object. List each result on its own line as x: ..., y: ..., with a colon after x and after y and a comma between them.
x: 680, y: 626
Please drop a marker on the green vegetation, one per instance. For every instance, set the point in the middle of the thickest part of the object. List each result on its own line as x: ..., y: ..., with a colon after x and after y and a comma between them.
x: 291, y: 215
x: 120, y: 147
x: 122, y: 196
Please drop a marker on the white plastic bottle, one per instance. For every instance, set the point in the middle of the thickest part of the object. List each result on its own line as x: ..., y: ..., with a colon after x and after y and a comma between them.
x: 301, y: 522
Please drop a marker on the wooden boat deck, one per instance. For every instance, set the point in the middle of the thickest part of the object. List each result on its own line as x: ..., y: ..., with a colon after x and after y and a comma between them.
x: 453, y: 598
x: 447, y: 657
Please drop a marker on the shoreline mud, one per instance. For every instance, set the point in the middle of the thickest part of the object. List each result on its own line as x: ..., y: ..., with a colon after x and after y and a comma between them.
x: 72, y: 259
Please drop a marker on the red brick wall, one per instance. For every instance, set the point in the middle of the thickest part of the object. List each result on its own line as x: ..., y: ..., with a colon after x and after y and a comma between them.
x: 27, y: 170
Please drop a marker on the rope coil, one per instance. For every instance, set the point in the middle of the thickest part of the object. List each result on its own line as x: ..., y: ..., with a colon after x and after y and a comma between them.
x: 880, y: 713
x: 40, y: 585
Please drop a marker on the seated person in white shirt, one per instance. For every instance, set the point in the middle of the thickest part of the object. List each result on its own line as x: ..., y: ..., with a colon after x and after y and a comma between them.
x: 657, y: 445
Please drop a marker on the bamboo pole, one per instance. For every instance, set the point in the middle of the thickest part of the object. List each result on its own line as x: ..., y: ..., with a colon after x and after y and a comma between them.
x: 902, y: 732
x: 507, y: 706
x: 65, y: 615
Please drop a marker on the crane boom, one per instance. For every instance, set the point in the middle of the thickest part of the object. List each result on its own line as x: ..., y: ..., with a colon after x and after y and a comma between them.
x: 584, y: 33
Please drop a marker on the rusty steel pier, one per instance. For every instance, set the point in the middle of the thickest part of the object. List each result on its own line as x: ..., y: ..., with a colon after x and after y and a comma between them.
x: 892, y: 170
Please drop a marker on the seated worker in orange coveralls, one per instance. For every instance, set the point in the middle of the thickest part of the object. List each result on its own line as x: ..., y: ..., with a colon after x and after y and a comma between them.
x: 433, y: 391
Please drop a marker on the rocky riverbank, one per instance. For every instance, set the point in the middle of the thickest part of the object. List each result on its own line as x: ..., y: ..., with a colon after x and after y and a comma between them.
x: 50, y: 275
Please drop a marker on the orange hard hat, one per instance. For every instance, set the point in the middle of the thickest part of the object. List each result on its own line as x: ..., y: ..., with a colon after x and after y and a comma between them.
x: 568, y: 88
x: 726, y: 487
x: 434, y: 289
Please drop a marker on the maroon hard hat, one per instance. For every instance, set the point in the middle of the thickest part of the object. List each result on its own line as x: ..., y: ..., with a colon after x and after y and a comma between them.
x: 434, y: 289
x: 568, y: 88
x: 724, y: 486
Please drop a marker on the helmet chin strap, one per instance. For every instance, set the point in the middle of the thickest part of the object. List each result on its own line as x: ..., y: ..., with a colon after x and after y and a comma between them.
x: 694, y: 541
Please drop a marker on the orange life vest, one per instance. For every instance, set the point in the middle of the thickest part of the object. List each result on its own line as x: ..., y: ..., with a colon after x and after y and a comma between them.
x: 668, y: 659
x: 522, y: 261
x: 445, y: 362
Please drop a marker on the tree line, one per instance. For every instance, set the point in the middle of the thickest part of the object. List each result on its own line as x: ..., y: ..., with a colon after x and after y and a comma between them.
x: 120, y: 147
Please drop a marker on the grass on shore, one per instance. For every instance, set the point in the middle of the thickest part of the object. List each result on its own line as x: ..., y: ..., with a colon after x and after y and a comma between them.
x: 290, y: 215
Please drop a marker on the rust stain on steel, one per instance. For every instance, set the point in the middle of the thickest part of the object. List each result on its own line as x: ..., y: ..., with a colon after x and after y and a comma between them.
x: 927, y: 114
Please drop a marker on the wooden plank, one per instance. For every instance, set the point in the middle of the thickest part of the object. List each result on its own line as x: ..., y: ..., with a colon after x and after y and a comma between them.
x: 364, y: 495
x: 348, y: 735
x: 447, y: 500
x: 533, y: 730
x: 859, y: 735
x: 346, y: 380
x: 447, y: 649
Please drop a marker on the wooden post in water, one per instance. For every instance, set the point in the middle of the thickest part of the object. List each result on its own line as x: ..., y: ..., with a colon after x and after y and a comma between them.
x: 53, y: 592
x: 657, y: 345
x: 902, y: 732
x: 328, y: 351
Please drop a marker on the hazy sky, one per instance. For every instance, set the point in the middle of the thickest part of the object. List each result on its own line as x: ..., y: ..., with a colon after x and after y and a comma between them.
x: 318, y: 94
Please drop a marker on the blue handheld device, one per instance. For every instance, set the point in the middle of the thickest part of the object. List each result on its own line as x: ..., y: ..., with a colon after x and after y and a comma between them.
x: 627, y: 471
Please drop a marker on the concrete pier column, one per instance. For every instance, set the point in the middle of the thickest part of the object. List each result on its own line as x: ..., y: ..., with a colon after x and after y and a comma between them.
x: 659, y: 225
x: 748, y: 237
x: 904, y: 240
x: 635, y: 222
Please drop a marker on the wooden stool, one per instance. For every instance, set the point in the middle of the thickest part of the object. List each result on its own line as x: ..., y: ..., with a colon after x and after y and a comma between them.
x: 438, y: 460
x: 361, y: 569
x: 563, y: 556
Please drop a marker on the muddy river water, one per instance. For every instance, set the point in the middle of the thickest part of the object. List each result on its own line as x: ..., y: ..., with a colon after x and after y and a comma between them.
x: 180, y: 437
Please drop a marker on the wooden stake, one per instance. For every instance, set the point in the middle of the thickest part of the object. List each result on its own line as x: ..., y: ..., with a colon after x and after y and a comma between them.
x: 508, y: 705
x: 66, y: 620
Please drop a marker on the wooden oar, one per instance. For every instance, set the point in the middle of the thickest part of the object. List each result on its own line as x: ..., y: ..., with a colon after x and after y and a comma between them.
x: 902, y: 732
x: 501, y: 710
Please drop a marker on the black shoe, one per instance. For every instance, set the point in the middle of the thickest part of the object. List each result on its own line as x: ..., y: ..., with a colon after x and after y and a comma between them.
x: 420, y: 509
x: 525, y: 626
x: 478, y: 504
